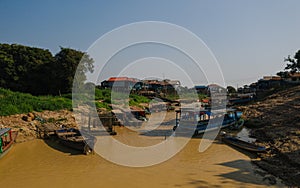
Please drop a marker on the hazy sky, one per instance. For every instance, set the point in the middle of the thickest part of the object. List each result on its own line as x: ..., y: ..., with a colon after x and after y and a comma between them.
x: 249, y: 38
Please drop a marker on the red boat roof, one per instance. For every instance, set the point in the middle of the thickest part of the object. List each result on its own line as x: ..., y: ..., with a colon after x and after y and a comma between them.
x: 113, y: 79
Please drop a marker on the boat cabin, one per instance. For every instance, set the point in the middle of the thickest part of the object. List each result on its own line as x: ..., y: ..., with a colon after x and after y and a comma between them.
x: 201, y: 118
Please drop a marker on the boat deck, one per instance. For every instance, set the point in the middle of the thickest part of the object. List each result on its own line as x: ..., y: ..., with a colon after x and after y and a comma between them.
x: 45, y: 131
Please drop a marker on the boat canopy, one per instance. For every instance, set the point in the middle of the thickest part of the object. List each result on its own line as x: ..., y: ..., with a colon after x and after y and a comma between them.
x: 4, y: 130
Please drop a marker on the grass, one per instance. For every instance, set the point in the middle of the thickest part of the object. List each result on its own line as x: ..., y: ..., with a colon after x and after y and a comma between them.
x: 136, y: 100
x: 105, y: 96
x: 17, y: 103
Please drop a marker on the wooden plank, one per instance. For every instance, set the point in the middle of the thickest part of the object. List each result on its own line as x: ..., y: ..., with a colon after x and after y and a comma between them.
x: 65, y: 133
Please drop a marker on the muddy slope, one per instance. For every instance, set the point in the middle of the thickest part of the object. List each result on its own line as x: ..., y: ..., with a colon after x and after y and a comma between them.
x: 275, y: 122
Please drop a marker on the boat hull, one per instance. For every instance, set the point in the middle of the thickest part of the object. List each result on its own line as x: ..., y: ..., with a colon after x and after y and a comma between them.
x: 232, y: 118
x: 73, y: 139
x: 79, y: 145
x: 242, y: 144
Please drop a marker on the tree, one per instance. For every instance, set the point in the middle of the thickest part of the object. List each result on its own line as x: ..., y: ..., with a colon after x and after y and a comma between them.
x: 7, y: 70
x: 231, y: 89
x: 67, y: 61
x: 36, y: 71
x: 20, y: 68
x: 294, y: 63
x: 283, y: 74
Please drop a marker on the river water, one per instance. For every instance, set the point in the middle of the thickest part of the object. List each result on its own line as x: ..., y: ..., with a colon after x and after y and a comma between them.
x: 44, y: 163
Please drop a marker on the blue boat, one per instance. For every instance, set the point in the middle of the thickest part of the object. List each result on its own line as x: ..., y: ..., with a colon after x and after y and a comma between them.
x: 232, y: 119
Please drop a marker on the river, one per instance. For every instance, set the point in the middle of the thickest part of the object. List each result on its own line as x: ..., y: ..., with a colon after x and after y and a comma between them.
x: 44, y: 163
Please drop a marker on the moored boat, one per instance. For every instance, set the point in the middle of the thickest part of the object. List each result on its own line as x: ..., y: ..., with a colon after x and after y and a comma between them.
x: 231, y: 118
x: 72, y: 138
x: 7, y: 138
x: 243, y: 144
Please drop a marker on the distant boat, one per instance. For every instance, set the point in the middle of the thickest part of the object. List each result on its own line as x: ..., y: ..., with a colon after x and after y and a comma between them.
x: 72, y: 138
x: 7, y: 138
x: 242, y: 144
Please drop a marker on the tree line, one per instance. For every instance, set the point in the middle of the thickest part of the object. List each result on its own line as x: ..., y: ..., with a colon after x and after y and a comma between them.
x: 37, y: 71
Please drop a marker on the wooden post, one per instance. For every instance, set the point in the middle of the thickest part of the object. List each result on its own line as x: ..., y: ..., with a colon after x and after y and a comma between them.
x: 10, y: 137
x: 89, y: 123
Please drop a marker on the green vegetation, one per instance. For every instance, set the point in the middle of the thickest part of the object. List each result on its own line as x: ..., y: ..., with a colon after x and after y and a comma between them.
x: 231, y: 90
x: 37, y: 71
x: 191, y: 95
x: 16, y: 103
x: 103, y: 98
x: 136, y: 100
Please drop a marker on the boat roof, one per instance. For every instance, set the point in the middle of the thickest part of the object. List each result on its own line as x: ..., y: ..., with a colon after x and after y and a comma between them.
x: 4, y: 130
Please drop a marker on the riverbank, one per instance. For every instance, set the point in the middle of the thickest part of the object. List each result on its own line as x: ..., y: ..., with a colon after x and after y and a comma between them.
x: 26, y: 124
x: 275, y: 123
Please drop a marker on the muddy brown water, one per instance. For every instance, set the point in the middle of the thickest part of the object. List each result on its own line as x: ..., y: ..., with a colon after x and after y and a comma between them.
x: 45, y: 163
x: 40, y: 163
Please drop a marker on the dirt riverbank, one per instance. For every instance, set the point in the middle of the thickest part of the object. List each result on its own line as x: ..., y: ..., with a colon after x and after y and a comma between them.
x: 26, y: 124
x: 275, y: 122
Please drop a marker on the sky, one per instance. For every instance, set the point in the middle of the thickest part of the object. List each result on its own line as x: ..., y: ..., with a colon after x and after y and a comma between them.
x: 249, y: 39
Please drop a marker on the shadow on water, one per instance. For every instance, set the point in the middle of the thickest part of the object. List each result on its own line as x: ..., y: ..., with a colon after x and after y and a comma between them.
x: 202, y: 184
x: 158, y: 132
x: 53, y: 142
x: 241, y: 174
x: 168, y: 133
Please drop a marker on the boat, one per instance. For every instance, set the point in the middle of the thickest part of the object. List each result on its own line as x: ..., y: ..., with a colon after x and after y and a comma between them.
x: 232, y: 119
x: 7, y: 138
x: 72, y: 138
x: 243, y: 144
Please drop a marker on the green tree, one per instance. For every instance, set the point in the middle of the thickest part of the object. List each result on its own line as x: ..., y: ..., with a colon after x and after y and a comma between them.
x: 7, y: 70
x: 231, y: 89
x: 293, y: 64
x: 21, y: 68
x: 67, y: 62
x: 36, y: 71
